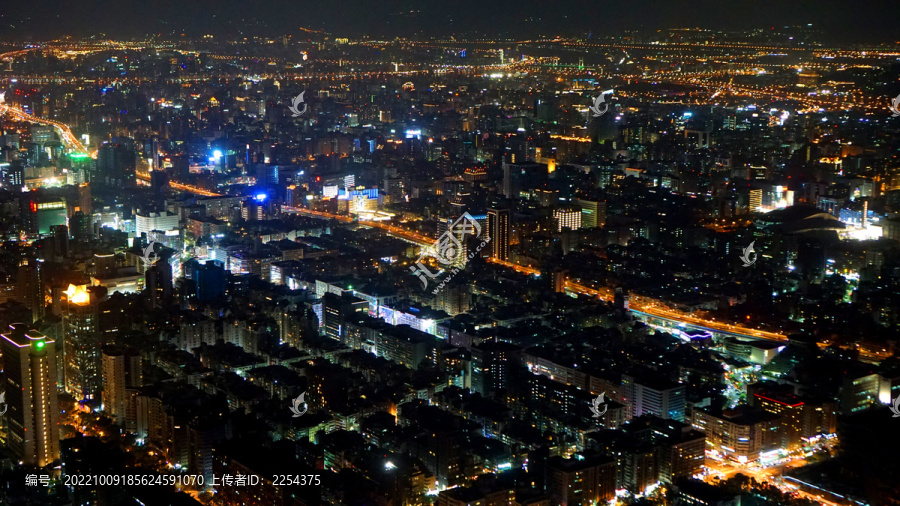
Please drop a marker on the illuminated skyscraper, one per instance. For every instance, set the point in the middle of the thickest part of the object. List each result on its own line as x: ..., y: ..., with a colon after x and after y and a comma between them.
x: 498, y: 231
x: 29, y: 375
x: 29, y: 289
x: 567, y: 217
x: 85, y: 200
x: 755, y: 200
x: 82, y: 341
x: 12, y: 174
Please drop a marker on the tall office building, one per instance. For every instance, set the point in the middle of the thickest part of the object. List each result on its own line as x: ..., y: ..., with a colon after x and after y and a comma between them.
x: 740, y: 434
x: 802, y: 418
x: 85, y: 202
x: 81, y: 228
x: 82, y: 341
x: 122, y: 377
x: 29, y: 288
x: 755, y: 203
x: 158, y: 280
x: 453, y: 299
x: 462, y: 234
x: 161, y: 221
x: 493, y: 364
x: 498, y: 231
x: 518, y: 177
x: 43, y: 140
x: 60, y: 241
x: 29, y: 375
x: 159, y: 181
x: 12, y: 174
x: 567, y: 217
x: 210, y: 278
x: 593, y: 212
x: 105, y: 265
x: 339, y: 309
x: 150, y: 149
x: 116, y: 163
x: 559, y: 278
x: 654, y: 396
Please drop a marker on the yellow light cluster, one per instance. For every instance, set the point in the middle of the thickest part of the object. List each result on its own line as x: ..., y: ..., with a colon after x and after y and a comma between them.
x: 78, y: 295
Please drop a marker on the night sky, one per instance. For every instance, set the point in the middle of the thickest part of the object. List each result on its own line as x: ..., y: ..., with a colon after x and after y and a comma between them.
x: 842, y: 21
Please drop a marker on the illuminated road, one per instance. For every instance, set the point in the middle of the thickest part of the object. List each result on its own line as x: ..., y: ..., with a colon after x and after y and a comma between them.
x: 516, y: 267
x: 772, y: 475
x: 194, y: 189
x: 317, y: 214
x: 406, y: 235
x: 651, y: 308
x: 67, y: 136
x: 639, y: 305
x: 145, y: 176
x: 779, y: 93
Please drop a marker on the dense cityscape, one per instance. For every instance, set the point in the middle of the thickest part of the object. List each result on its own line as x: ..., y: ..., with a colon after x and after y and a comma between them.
x: 645, y: 267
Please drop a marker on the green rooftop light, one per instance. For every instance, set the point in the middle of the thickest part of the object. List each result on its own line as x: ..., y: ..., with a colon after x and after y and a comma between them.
x: 40, y: 344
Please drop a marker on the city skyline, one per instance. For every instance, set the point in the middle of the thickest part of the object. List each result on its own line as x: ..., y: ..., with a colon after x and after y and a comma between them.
x: 508, y: 254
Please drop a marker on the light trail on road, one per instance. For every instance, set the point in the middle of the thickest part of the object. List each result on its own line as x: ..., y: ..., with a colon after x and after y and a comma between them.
x: 648, y: 307
x: 66, y: 133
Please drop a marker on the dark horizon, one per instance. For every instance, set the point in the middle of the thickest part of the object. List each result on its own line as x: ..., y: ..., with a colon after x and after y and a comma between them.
x: 841, y: 22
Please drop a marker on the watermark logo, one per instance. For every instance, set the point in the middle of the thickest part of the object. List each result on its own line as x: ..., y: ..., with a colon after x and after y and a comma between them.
x: 597, y: 403
x: 3, y: 405
x: 598, y: 102
x: 895, y: 106
x: 294, y: 106
x: 149, y: 257
x: 895, y: 408
x: 295, y: 406
x: 746, y: 256
x: 448, y: 250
